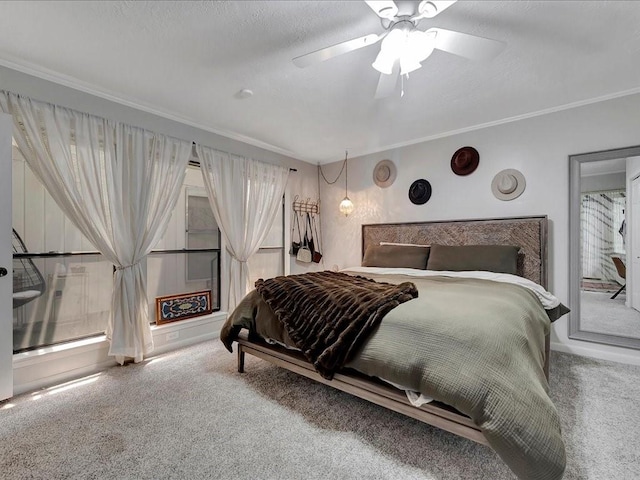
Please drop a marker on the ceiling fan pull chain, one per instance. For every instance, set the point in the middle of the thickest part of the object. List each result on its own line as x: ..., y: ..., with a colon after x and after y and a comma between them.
x: 402, y: 85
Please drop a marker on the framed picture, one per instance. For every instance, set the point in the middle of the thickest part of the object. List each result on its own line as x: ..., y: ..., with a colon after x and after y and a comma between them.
x: 172, y: 308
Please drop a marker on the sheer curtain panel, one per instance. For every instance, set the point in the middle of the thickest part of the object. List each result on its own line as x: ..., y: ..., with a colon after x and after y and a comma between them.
x: 118, y: 184
x: 245, y: 196
x: 602, y: 214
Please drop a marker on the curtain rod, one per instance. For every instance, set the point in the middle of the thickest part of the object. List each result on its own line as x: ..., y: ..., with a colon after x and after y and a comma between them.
x: 196, y: 163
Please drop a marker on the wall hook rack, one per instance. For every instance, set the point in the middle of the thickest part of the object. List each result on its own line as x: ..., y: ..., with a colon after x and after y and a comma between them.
x: 306, y: 206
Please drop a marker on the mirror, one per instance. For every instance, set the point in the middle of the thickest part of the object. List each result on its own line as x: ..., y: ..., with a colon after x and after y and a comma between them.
x: 604, y: 234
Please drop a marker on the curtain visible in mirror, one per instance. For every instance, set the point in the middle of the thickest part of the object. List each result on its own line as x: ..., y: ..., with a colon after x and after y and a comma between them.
x: 602, y: 216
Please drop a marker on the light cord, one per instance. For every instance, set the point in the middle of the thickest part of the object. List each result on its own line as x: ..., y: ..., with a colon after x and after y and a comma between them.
x: 339, y: 174
x: 346, y: 173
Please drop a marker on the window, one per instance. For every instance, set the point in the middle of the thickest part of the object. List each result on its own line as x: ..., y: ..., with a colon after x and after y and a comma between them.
x: 201, y: 233
x: 63, y: 287
x: 188, y: 257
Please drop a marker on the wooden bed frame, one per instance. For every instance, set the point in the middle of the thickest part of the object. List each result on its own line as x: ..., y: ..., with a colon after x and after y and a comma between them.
x: 530, y: 233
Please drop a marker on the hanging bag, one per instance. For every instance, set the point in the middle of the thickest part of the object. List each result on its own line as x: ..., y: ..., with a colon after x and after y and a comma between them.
x: 304, y: 253
x: 311, y: 242
x: 295, y: 246
x: 317, y: 255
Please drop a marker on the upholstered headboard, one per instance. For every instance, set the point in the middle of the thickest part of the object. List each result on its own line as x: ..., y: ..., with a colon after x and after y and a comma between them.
x: 529, y: 233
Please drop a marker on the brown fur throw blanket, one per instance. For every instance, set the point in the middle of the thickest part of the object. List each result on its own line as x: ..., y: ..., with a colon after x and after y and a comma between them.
x: 329, y: 314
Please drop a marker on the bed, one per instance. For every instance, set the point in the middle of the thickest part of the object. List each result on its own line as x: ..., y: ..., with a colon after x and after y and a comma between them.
x: 532, y: 448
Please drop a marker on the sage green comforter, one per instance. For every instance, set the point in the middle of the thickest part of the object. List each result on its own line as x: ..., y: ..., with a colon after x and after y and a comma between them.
x: 476, y: 345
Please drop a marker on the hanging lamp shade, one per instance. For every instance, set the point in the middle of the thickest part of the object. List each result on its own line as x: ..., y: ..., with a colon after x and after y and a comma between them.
x: 346, y: 206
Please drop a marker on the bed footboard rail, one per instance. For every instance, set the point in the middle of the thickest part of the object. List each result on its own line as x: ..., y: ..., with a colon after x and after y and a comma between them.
x: 435, y: 414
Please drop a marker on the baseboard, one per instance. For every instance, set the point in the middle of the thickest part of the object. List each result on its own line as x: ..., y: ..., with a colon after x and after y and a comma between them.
x: 584, y: 351
x: 50, y: 366
x: 60, y: 363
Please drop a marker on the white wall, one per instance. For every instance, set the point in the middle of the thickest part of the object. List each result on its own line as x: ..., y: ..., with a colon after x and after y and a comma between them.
x: 539, y: 147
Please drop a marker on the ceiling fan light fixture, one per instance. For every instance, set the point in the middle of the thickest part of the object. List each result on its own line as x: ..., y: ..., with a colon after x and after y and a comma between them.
x: 383, y: 8
x: 408, y: 65
x: 420, y: 45
x: 395, y: 41
x: 427, y: 9
x: 393, y: 48
x: 384, y: 62
x: 410, y: 47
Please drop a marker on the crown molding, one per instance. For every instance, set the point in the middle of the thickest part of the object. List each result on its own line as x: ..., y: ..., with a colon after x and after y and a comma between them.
x: 76, y: 84
x: 560, y: 108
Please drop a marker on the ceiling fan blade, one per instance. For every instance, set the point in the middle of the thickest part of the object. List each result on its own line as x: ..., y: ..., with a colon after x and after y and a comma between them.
x: 431, y: 8
x: 468, y: 46
x: 335, y: 50
x: 387, y: 83
x: 383, y: 8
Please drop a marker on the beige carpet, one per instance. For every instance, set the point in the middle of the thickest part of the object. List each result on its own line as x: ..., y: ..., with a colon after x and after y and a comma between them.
x: 602, y: 314
x: 189, y: 415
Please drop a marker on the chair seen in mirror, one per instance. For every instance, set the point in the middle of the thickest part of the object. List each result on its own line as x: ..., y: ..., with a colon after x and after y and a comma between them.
x: 622, y: 272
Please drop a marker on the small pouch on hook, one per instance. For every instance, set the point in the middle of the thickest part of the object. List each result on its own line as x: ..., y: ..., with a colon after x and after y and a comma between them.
x: 304, y: 254
x: 308, y: 235
x: 317, y: 255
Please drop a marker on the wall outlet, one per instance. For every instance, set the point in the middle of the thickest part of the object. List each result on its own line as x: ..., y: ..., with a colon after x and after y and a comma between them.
x: 173, y: 335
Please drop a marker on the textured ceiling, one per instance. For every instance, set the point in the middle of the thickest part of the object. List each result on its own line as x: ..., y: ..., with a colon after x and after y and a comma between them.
x: 189, y: 60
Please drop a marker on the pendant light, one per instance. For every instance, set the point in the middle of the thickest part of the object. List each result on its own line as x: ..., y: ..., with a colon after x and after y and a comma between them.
x: 346, y: 205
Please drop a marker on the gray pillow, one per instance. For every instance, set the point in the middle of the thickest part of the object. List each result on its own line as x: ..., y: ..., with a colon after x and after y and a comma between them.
x: 396, y: 256
x: 491, y: 258
x: 555, y: 313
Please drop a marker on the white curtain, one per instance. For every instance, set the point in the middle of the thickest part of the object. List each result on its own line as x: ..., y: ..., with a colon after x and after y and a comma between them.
x: 245, y: 196
x: 602, y: 214
x: 118, y: 184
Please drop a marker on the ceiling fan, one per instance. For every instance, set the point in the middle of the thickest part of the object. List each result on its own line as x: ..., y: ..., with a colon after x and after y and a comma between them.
x: 403, y: 46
